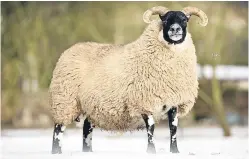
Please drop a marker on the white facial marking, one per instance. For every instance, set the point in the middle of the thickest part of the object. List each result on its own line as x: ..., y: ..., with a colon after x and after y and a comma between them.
x: 175, y: 32
x: 150, y: 120
x: 175, y: 122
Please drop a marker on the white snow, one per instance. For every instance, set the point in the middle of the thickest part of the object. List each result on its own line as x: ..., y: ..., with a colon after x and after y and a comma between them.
x: 193, y: 143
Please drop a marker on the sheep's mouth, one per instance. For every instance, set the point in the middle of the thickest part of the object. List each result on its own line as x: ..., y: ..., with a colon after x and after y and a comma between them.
x: 175, y: 37
x: 176, y: 34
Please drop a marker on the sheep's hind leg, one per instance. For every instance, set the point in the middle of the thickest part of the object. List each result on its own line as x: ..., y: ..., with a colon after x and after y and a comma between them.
x: 173, y: 121
x: 57, y: 138
x: 150, y: 125
x: 87, y: 136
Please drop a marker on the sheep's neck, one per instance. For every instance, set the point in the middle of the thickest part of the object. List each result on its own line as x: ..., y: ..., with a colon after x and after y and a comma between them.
x: 147, y: 56
x: 148, y: 49
x: 148, y: 43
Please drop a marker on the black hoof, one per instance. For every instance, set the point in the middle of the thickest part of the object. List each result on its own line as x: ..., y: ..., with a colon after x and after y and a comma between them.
x: 87, y: 149
x: 151, y: 149
x: 174, y: 150
x: 56, y: 151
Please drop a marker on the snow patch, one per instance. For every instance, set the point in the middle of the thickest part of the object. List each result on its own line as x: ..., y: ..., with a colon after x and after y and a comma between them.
x: 36, y: 144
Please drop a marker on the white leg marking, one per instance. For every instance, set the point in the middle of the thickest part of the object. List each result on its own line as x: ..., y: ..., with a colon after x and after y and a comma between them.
x: 59, y: 137
x: 150, y: 120
x: 88, y: 139
x: 174, y: 137
x: 152, y: 139
x: 150, y: 123
x: 175, y: 122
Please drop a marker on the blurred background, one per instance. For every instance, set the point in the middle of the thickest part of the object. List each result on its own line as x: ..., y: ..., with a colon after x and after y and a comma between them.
x: 34, y: 34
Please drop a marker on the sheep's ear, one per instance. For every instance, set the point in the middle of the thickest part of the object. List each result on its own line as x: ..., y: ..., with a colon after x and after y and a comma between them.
x: 161, y: 17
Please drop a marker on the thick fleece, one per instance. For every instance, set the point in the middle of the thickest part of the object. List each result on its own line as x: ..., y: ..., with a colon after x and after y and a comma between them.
x: 114, y: 84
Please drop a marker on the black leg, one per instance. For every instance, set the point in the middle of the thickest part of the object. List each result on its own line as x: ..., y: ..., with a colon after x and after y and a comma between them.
x: 150, y: 126
x: 57, y: 138
x: 173, y: 121
x: 87, y: 136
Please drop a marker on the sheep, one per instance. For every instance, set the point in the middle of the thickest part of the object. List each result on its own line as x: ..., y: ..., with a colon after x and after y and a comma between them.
x: 124, y: 87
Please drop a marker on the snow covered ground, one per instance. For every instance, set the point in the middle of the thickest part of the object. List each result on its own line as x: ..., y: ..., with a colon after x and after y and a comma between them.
x: 193, y: 143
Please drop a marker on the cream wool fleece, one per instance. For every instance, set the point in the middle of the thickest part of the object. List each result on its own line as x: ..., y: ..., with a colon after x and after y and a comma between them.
x: 114, y: 84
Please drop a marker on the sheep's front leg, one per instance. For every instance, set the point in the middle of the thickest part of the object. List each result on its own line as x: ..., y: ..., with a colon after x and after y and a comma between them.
x: 150, y: 125
x: 173, y: 121
x: 57, y: 138
x: 87, y: 136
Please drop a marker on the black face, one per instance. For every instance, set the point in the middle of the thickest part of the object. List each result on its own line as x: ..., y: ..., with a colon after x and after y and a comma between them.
x: 174, y: 26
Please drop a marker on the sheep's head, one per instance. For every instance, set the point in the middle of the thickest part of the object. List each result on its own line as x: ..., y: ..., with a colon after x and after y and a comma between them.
x: 174, y: 23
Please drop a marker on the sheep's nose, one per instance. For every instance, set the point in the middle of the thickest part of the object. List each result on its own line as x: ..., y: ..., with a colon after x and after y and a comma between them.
x: 175, y: 28
x: 172, y: 29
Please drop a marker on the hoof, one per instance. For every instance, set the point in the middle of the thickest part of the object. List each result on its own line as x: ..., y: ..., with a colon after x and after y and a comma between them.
x: 87, y: 149
x: 151, y: 149
x: 56, y: 151
x: 174, y: 150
